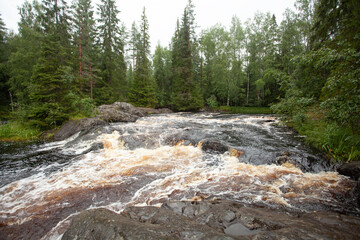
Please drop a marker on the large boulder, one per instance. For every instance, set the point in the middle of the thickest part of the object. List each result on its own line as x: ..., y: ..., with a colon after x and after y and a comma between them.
x: 119, y: 112
x: 351, y: 169
x: 210, y: 219
x: 73, y: 126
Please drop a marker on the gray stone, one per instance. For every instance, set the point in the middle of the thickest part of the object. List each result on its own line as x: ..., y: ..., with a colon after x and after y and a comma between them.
x: 173, y: 221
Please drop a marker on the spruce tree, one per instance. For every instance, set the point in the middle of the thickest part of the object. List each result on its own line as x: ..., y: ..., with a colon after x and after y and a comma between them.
x: 111, y: 37
x: 186, y: 95
x: 162, y: 74
x: 87, y: 51
x: 143, y: 92
x: 52, y: 76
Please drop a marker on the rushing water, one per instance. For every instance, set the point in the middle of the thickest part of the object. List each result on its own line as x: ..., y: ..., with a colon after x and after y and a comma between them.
x: 160, y: 158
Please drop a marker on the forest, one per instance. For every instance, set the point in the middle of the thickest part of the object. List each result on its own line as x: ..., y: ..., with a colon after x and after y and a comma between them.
x: 66, y: 59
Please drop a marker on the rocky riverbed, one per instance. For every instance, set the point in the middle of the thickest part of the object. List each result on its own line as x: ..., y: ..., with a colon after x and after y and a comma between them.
x: 210, y: 219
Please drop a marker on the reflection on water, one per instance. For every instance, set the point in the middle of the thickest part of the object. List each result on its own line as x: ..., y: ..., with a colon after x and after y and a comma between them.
x: 160, y: 158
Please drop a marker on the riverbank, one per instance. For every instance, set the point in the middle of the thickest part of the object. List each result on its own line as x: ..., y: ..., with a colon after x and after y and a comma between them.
x: 17, y: 131
x: 244, y: 110
x: 341, y: 144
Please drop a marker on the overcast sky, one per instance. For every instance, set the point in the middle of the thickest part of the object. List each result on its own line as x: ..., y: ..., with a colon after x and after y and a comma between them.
x: 162, y: 14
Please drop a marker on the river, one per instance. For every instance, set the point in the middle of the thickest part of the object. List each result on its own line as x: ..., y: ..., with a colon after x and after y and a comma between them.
x: 160, y: 158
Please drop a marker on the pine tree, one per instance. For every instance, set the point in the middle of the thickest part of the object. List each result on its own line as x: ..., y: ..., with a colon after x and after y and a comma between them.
x: 143, y: 92
x: 111, y: 38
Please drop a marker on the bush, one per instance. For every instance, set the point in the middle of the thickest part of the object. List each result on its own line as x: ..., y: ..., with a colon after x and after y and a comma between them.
x: 212, y: 102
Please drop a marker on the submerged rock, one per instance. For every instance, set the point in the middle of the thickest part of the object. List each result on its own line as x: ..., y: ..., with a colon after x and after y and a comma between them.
x: 218, y: 147
x: 218, y: 219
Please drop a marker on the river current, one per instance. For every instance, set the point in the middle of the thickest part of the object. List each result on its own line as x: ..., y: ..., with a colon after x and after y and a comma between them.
x: 160, y: 158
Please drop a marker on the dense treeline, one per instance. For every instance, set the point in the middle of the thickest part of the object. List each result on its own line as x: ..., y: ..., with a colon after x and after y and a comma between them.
x: 63, y: 61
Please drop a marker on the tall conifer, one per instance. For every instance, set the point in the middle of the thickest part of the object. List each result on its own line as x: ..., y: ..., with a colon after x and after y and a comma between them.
x: 143, y: 92
x: 111, y: 36
x: 52, y: 75
x: 186, y: 94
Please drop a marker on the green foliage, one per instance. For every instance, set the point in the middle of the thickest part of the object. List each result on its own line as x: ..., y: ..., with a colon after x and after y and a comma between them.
x: 186, y: 95
x: 4, y: 68
x: 111, y: 37
x: 143, y: 91
x: 212, y: 102
x: 340, y: 143
x: 246, y: 110
x: 162, y: 75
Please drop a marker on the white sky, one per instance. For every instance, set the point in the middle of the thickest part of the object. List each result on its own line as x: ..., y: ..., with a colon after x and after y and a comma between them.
x: 162, y: 14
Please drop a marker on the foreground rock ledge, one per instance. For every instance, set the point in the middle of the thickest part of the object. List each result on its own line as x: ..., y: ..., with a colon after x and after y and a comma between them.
x: 217, y: 219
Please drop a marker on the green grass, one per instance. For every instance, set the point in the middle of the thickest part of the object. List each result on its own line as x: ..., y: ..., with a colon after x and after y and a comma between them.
x: 245, y: 110
x: 15, y: 131
x: 339, y: 143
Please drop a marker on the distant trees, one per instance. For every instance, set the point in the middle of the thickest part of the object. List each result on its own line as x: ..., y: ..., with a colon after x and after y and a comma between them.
x: 63, y: 62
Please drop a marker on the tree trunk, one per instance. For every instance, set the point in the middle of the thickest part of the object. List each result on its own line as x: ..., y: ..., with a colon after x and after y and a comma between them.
x: 248, y: 89
x: 91, y: 85
x: 228, y: 97
x: 11, y: 101
x: 80, y: 56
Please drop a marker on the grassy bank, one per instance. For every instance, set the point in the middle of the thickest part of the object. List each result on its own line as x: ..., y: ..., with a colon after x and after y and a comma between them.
x: 340, y: 143
x: 15, y: 131
x: 245, y: 110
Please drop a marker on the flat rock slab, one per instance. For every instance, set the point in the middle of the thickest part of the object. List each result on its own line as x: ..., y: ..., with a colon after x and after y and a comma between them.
x: 218, y: 219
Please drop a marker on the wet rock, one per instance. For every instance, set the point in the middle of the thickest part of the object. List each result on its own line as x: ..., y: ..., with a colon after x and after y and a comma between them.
x: 351, y: 169
x: 213, y: 146
x: 138, y: 223
x: 218, y: 147
x: 119, y: 112
x: 282, y: 159
x: 219, y: 219
x: 73, y: 126
x: 229, y: 216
